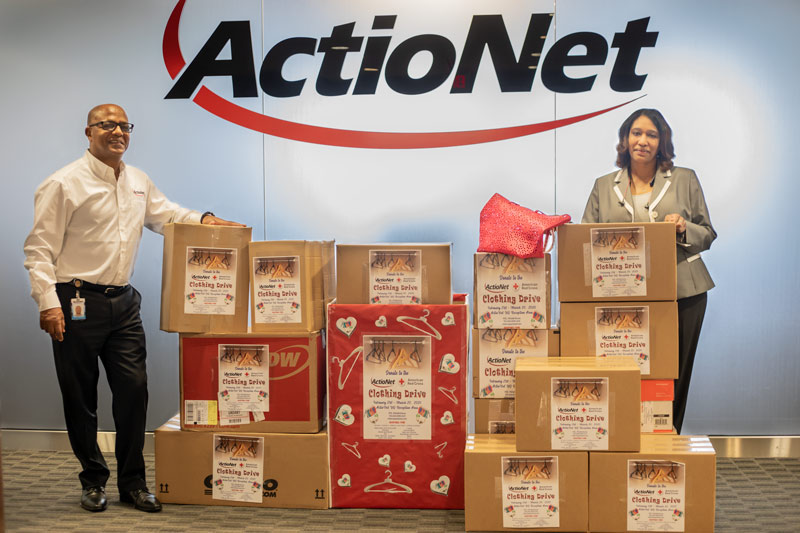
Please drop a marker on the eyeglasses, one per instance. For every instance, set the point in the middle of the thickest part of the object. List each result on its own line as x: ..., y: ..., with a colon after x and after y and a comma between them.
x: 110, y: 125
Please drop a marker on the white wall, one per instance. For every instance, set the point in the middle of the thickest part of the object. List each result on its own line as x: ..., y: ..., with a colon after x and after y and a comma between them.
x: 722, y: 72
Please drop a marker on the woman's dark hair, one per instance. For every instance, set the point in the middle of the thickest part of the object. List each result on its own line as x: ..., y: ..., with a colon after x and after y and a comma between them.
x: 666, y: 152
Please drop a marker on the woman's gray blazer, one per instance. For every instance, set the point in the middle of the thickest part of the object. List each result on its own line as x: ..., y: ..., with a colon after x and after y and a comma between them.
x: 674, y: 191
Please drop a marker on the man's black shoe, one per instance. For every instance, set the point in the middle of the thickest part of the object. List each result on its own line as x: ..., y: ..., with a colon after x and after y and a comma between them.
x: 94, y: 499
x: 141, y: 500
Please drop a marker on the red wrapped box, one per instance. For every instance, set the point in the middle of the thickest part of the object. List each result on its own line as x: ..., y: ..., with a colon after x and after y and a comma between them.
x: 397, y: 405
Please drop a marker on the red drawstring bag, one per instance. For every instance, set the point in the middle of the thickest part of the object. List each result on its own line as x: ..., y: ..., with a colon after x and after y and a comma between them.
x: 509, y: 228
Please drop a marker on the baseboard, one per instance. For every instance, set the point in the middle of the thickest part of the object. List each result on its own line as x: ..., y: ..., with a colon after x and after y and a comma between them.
x: 34, y: 439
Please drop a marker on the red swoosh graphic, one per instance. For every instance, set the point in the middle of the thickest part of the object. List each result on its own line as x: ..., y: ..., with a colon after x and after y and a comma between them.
x: 227, y: 110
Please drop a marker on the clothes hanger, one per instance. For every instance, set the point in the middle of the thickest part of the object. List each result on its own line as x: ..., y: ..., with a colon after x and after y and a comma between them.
x: 440, y: 449
x: 352, y: 448
x: 425, y: 328
x: 353, y: 358
x: 388, y: 486
x: 449, y: 393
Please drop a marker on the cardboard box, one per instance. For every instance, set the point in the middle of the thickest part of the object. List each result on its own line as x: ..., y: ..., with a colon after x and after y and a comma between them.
x: 388, y: 273
x: 494, y: 352
x: 492, y: 466
x: 495, y: 416
x: 397, y: 405
x: 646, y: 331
x: 295, y: 468
x: 511, y: 292
x: 584, y: 403
x: 657, y: 397
x: 684, y: 470
x: 204, y: 281
x: 288, y: 285
x: 619, y: 271
x: 296, y: 389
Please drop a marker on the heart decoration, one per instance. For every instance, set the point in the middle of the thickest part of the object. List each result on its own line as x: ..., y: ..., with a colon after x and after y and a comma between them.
x: 346, y: 325
x: 447, y: 418
x: 381, y: 322
x: 441, y: 485
x: 385, y: 460
x: 448, y: 364
x: 344, y: 415
x: 344, y: 481
x: 409, y: 466
x: 448, y: 319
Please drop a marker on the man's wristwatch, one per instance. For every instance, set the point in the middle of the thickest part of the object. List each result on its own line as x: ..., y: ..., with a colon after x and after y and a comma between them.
x: 206, y: 214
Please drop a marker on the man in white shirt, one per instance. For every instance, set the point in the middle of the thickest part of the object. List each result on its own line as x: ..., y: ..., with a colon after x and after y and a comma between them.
x: 80, y: 254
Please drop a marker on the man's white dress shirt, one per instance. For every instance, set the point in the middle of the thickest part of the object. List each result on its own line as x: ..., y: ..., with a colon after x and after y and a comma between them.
x: 87, y: 225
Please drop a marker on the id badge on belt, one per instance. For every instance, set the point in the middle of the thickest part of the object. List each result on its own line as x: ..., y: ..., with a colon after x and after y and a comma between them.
x: 78, y: 306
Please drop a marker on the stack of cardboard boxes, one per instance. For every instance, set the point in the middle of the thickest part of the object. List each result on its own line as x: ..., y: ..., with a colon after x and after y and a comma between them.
x: 397, y: 378
x: 252, y: 401
x: 579, y: 460
x: 617, y: 288
x: 512, y: 319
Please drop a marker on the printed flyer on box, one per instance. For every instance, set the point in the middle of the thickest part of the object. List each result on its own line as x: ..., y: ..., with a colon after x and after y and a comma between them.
x: 656, y: 495
x: 579, y: 413
x: 530, y: 492
x: 397, y: 387
x: 619, y: 266
x: 623, y: 331
x: 243, y: 378
x: 238, y: 468
x: 395, y: 277
x: 277, y: 294
x: 512, y: 292
x: 210, y: 281
x: 498, y: 351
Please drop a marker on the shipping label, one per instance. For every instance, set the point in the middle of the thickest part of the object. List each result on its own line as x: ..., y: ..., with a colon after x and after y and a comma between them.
x: 210, y: 281
x: 530, y: 492
x: 238, y: 468
x: 277, y: 295
x: 579, y: 416
x: 243, y: 381
x: 200, y: 412
x: 656, y: 495
x: 498, y: 350
x: 618, y: 264
x: 397, y: 388
x: 395, y: 277
x: 511, y: 292
x: 623, y: 331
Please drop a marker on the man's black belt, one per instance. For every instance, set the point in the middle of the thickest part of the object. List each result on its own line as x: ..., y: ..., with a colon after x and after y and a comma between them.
x: 108, y: 290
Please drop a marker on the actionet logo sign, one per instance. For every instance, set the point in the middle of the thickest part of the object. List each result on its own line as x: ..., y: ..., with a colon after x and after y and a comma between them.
x: 385, y: 64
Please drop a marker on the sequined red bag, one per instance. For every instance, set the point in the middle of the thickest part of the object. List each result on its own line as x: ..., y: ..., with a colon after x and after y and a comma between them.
x: 509, y: 228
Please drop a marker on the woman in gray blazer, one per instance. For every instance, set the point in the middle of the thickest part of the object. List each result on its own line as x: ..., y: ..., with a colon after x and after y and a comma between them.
x: 650, y: 188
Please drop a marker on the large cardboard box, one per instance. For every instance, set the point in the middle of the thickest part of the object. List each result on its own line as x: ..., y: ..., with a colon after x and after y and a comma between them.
x: 645, y: 331
x: 397, y: 405
x: 494, y: 352
x: 204, y: 280
x: 495, y: 416
x: 657, y: 397
x: 508, y: 490
x: 669, y: 485
x: 294, y: 475
x: 617, y: 262
x: 288, y: 280
x: 410, y: 273
x: 583, y: 403
x: 511, y: 292
x: 219, y: 395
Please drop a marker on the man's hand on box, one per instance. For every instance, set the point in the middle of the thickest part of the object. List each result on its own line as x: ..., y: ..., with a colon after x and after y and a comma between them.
x: 211, y: 220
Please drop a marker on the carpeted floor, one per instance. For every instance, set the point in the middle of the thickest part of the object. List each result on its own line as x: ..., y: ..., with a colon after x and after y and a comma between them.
x: 42, y: 492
